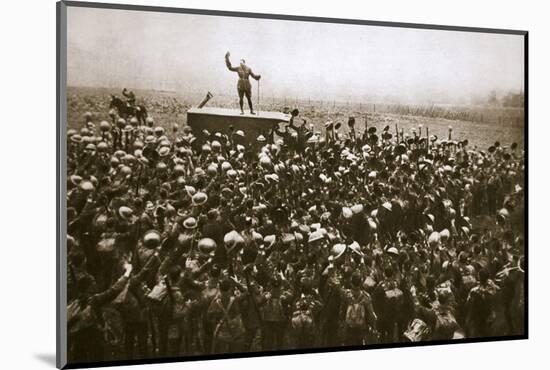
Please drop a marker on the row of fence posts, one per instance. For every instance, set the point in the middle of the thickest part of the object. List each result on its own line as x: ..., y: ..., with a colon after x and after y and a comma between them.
x: 382, y: 108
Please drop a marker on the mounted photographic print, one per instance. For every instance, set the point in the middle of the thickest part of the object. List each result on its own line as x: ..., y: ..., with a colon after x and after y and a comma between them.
x: 238, y: 184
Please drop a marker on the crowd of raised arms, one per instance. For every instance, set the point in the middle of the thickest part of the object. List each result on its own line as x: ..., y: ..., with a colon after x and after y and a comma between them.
x: 183, y: 243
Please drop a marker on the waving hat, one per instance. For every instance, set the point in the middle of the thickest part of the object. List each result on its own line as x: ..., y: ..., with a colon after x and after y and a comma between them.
x: 338, y: 250
x: 315, y: 236
x: 106, y: 245
x: 233, y: 238
x: 190, y: 223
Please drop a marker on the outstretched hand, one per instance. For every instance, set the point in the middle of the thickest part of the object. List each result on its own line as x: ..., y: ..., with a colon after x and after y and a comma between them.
x: 227, y: 55
x: 128, y: 269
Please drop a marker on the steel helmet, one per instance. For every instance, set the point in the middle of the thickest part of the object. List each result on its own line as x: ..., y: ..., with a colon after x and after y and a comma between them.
x: 199, y: 198
x: 226, y: 166
x: 90, y: 147
x: 207, y: 245
x: 151, y: 239
x: 434, y: 238
x: 164, y: 151
x: 104, y: 126
x: 357, y: 208
x: 212, y: 169
x: 347, y: 212
x: 86, y: 185
x: 120, y: 153
x: 216, y: 145
x: 102, y: 146
x: 265, y: 161
x: 233, y: 238
x: 232, y: 174
x: 392, y: 250
x: 125, y: 212
x: 125, y: 170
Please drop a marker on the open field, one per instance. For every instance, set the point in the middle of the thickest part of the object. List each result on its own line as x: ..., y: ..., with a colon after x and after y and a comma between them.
x: 487, y: 125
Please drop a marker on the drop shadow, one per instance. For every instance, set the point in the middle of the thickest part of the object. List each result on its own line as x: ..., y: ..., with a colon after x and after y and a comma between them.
x: 47, y: 358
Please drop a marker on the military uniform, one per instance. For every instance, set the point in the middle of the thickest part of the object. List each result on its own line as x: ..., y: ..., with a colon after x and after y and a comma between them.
x: 243, y: 85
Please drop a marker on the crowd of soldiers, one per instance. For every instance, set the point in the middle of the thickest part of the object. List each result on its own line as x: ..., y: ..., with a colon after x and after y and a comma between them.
x: 207, y: 242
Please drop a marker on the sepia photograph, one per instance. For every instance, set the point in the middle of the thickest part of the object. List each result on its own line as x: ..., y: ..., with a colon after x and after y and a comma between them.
x: 240, y: 184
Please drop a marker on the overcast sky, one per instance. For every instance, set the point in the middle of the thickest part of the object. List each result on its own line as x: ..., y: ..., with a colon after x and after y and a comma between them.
x: 115, y: 48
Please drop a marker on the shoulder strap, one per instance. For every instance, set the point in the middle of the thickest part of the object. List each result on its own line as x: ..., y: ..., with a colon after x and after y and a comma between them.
x: 226, y: 310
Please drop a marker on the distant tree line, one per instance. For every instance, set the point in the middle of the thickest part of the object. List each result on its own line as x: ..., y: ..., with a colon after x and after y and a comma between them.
x: 511, y: 99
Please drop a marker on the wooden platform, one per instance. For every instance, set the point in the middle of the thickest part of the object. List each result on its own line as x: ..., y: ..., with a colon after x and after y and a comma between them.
x: 219, y: 119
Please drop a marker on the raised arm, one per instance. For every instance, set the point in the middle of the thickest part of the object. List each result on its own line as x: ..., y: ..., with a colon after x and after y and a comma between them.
x: 104, y: 297
x: 228, y: 63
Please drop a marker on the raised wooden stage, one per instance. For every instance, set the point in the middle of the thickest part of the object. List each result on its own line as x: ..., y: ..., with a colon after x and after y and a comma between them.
x: 219, y: 119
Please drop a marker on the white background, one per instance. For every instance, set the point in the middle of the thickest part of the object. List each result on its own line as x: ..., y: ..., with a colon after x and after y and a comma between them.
x: 27, y: 186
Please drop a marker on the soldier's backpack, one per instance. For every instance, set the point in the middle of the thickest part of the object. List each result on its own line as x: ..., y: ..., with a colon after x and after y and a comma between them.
x: 302, y: 318
x: 393, y: 295
x: 273, y: 310
x: 445, y: 325
x: 79, y: 316
x: 356, y: 314
x: 160, y: 300
x: 468, y: 281
x: 229, y: 328
x: 417, y: 331
x: 158, y: 293
x: 482, y: 303
x: 180, y: 307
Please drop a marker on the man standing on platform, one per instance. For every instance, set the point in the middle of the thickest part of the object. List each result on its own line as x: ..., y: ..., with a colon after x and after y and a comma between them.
x: 243, y: 86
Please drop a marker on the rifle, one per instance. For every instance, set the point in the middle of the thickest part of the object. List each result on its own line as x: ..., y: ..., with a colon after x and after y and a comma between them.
x: 170, y: 294
x: 136, y: 252
x: 72, y: 273
x: 396, y: 133
x: 251, y: 298
x: 139, y: 178
x: 427, y: 138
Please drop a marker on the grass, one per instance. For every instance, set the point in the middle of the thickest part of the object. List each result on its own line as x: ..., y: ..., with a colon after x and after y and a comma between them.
x: 482, y: 126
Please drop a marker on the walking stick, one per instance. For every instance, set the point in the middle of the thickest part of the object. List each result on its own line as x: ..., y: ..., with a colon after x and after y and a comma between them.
x: 258, y: 95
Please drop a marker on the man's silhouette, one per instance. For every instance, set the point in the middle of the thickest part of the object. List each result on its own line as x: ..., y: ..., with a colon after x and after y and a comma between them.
x: 243, y: 86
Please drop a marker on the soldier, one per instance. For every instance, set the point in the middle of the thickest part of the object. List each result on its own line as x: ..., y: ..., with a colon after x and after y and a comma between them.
x: 225, y: 315
x: 480, y: 311
x: 243, y: 86
x: 397, y: 215
x: 359, y: 313
x: 85, y: 321
x: 130, y: 97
